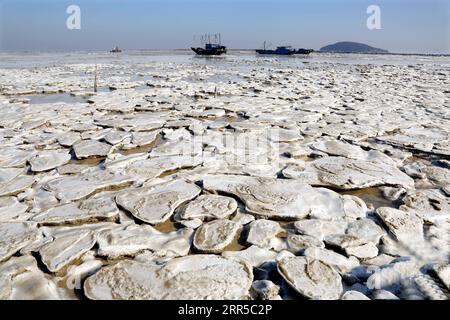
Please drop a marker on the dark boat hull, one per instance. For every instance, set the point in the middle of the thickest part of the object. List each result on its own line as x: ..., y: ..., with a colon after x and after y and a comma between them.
x: 304, y: 51
x: 275, y: 52
x: 210, y: 52
x: 285, y: 52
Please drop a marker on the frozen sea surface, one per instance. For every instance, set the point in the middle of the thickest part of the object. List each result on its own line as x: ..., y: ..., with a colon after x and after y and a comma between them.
x: 235, y: 177
x: 35, y: 59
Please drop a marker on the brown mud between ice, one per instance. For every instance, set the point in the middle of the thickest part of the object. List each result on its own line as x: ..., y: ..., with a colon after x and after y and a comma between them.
x: 88, y: 162
x: 238, y: 242
x: 142, y: 149
x: 371, y: 196
x: 166, y: 227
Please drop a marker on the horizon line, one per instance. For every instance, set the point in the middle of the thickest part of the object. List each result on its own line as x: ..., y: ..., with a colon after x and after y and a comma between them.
x: 189, y: 49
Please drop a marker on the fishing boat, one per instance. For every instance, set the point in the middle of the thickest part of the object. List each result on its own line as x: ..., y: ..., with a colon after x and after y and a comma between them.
x: 210, y: 49
x: 213, y: 46
x: 116, y: 50
x: 283, y: 51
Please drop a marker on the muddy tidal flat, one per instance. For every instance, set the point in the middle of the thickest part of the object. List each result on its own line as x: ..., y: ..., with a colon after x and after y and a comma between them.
x: 239, y: 177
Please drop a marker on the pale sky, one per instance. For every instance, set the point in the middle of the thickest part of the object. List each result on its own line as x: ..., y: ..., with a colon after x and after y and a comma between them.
x: 414, y: 26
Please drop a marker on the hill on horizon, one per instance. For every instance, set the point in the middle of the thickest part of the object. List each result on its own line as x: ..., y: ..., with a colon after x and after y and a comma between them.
x: 352, y: 47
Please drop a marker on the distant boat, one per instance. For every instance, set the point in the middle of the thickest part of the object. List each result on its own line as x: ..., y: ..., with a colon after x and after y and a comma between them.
x: 116, y: 50
x: 212, y: 48
x: 283, y: 51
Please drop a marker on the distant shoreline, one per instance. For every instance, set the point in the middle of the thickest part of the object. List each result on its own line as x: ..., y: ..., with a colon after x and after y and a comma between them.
x: 372, y: 53
x: 230, y: 50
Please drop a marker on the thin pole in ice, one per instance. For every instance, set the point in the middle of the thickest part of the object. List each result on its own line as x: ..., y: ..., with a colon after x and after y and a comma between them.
x: 95, y: 78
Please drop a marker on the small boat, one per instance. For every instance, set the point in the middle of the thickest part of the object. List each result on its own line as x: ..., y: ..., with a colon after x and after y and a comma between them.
x: 116, y: 50
x: 210, y: 49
